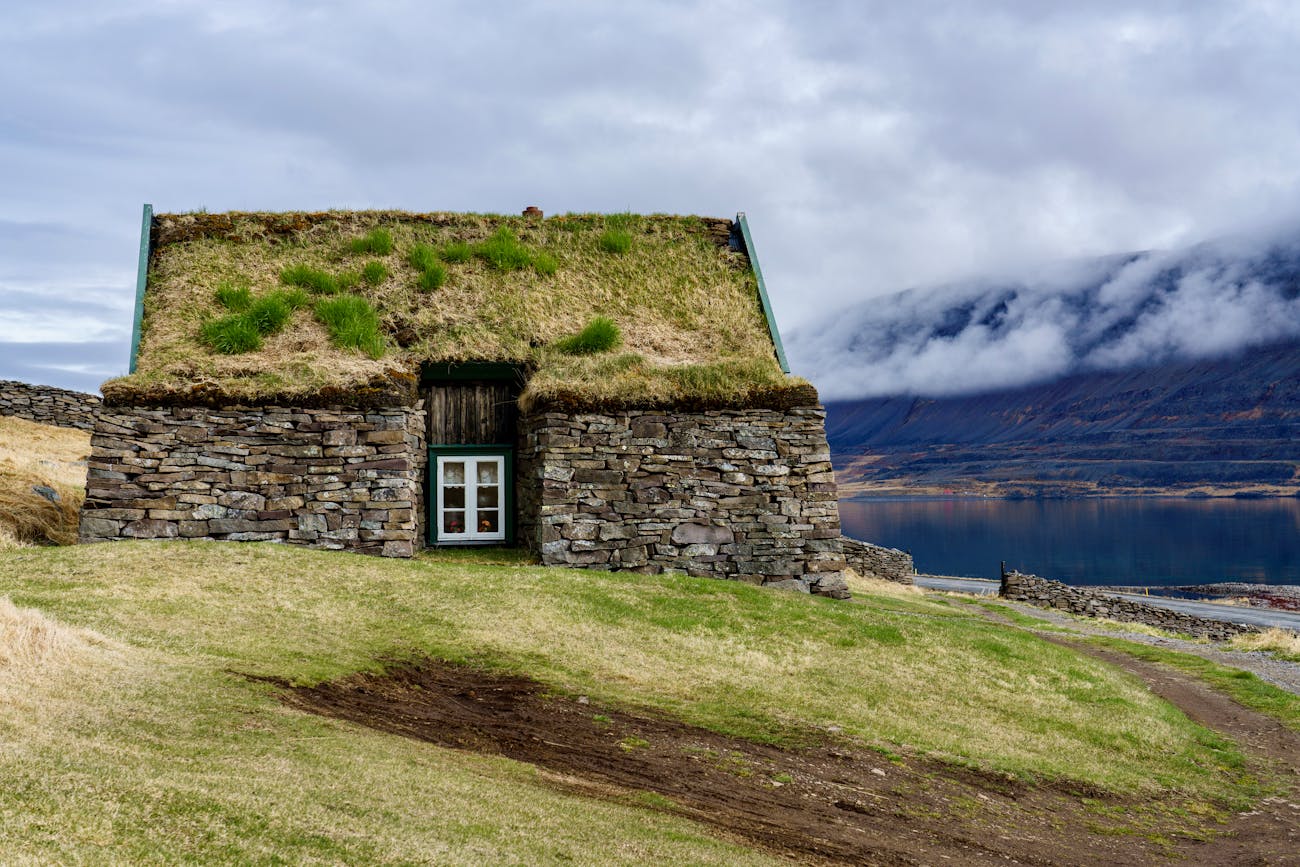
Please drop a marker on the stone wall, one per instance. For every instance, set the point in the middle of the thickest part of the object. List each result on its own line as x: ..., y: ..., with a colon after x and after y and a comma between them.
x: 888, y: 563
x: 1092, y: 603
x: 328, y: 478
x: 741, y: 494
x: 48, y: 405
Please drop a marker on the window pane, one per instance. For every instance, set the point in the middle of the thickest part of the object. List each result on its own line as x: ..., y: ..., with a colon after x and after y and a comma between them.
x: 487, y: 473
x: 453, y: 473
x: 487, y: 497
x: 453, y: 497
x: 453, y: 522
x: 487, y: 521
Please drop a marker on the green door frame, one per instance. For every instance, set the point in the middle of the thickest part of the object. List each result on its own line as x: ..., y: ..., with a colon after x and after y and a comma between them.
x: 507, y: 494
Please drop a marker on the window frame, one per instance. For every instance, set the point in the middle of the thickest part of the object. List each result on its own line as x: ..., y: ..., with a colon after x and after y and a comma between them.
x: 438, y: 455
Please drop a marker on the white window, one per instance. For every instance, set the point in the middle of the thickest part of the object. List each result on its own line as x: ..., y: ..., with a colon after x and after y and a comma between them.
x: 470, y: 500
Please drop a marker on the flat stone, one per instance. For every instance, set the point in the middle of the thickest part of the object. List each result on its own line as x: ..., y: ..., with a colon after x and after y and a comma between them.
x: 151, y: 528
x: 702, y: 534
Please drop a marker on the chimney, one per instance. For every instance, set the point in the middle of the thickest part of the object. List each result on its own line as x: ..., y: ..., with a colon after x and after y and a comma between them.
x: 533, y: 211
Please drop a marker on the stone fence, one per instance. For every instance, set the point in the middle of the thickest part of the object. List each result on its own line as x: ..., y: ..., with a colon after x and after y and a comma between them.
x: 48, y: 405
x: 1092, y: 603
x: 888, y: 563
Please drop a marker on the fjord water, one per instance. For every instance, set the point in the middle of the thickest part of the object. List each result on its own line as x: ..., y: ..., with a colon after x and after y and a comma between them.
x: 1141, y: 541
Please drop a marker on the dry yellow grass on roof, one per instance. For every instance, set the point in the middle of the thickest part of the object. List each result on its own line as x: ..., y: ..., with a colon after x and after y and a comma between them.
x: 687, y: 307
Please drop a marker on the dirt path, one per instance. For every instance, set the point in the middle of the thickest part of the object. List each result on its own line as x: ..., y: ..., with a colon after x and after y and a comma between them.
x: 827, y: 804
x: 1268, y: 835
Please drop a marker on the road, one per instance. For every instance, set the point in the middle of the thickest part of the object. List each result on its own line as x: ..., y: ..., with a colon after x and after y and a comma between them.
x: 1253, y: 616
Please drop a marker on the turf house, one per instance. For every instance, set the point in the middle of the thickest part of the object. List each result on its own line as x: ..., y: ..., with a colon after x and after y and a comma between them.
x: 608, y: 391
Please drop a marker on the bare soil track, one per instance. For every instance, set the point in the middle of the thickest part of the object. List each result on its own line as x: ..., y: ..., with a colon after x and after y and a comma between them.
x: 823, y: 804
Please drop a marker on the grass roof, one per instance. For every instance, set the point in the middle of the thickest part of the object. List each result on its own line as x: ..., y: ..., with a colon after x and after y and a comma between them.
x: 458, y: 288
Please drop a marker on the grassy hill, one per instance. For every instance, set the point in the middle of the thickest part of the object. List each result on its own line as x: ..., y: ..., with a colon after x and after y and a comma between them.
x: 141, y: 717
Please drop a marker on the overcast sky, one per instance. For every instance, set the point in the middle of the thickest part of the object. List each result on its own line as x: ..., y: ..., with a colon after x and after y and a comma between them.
x: 874, y: 145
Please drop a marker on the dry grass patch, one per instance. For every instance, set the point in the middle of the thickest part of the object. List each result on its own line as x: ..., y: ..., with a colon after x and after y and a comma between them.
x: 35, y: 455
x: 681, y: 300
x: 872, y: 585
x: 29, y: 640
x: 1282, y: 642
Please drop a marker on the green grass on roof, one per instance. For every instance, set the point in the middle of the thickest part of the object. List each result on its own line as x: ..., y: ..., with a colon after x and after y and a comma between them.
x: 506, y: 289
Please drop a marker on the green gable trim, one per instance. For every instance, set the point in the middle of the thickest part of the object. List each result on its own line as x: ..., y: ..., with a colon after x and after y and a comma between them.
x: 141, y: 277
x: 762, y: 292
x: 467, y: 371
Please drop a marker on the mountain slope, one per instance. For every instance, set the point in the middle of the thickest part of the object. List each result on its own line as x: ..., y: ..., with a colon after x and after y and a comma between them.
x: 1218, y: 426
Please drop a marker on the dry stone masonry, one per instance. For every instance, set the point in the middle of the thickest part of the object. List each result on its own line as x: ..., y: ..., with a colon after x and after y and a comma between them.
x: 329, y: 478
x: 888, y: 563
x: 48, y: 405
x: 1091, y: 603
x: 740, y: 494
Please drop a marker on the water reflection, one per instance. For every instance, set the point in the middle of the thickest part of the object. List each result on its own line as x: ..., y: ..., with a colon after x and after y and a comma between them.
x: 1106, y: 541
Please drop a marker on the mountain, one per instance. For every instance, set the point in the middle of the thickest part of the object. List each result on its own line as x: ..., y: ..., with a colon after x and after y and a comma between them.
x: 1215, y: 426
x: 1139, y: 373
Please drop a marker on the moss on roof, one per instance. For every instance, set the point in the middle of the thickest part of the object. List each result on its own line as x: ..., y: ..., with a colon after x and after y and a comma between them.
x: 686, y: 304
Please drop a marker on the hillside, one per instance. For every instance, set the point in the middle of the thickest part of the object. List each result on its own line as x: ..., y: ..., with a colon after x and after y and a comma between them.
x: 1149, y: 372
x: 1214, y: 426
x: 259, y: 703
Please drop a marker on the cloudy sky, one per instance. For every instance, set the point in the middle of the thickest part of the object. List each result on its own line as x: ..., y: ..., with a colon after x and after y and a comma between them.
x: 874, y: 145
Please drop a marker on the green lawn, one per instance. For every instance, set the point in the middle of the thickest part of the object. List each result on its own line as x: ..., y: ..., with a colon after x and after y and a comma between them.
x: 144, y: 741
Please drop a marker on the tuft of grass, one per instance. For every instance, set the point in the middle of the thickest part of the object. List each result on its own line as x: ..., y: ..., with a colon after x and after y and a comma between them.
x: 352, y: 323
x: 376, y: 242
x: 424, y: 259
x: 235, y: 297
x: 545, y: 264
x: 270, y: 313
x: 457, y: 252
x: 421, y: 257
x: 314, y: 280
x: 615, y: 241
x: 231, y: 335
x: 374, y: 273
x: 504, y: 252
x: 601, y: 334
x: 432, y: 277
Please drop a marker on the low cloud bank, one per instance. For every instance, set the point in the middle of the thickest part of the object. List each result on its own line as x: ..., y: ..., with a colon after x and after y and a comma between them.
x: 1119, y: 312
